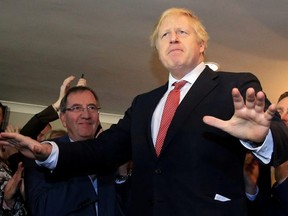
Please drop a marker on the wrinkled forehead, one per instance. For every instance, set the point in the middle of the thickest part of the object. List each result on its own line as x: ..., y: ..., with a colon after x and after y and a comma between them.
x: 177, y: 18
x: 177, y: 21
x: 80, y: 97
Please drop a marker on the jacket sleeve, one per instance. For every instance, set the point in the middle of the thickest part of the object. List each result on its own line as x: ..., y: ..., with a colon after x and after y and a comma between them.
x: 38, y: 122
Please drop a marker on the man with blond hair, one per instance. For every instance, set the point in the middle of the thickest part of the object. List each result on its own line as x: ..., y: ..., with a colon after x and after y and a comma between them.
x: 192, y: 165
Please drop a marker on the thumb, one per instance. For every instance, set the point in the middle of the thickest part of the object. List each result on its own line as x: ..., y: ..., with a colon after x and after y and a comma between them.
x: 214, y: 122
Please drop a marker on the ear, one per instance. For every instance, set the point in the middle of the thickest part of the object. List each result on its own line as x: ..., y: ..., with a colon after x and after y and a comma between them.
x: 202, y: 46
x: 63, y: 119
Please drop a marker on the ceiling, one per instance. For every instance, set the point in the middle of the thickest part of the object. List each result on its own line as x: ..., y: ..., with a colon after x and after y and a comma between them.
x: 43, y: 42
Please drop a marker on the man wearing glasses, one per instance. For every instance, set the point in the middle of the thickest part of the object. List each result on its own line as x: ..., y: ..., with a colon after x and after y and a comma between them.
x: 85, y: 195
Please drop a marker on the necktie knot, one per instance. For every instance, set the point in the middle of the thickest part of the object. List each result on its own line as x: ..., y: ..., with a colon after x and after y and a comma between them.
x: 179, y: 85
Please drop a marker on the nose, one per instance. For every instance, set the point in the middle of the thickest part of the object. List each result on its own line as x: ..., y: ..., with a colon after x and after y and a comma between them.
x: 85, y: 113
x: 174, y: 37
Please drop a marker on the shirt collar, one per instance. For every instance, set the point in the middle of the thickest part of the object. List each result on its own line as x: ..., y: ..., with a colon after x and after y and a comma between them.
x: 190, y: 77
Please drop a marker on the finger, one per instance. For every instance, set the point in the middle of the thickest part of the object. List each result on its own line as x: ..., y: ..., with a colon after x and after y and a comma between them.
x: 9, y: 128
x: 66, y: 84
x: 237, y: 99
x: 5, y: 143
x: 19, y: 171
x: 16, y: 140
x: 20, y: 166
x: 8, y: 135
x: 270, y: 112
x: 260, y: 102
x: 250, y: 98
x: 215, y: 122
x: 68, y: 80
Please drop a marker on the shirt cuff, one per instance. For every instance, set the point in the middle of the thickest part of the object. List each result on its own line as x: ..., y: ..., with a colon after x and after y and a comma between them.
x: 252, y: 197
x: 51, y: 161
x: 263, y: 152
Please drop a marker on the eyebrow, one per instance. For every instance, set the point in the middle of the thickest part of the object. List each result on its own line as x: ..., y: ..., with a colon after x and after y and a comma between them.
x: 76, y: 104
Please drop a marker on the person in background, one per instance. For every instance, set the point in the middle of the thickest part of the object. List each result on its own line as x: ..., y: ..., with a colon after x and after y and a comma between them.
x: 280, y: 191
x: 12, y: 194
x: 190, y: 173
x: 42, y: 134
x: 54, y: 134
x: 11, y: 182
x: 257, y: 178
x: 86, y: 195
x: 12, y: 191
x: 280, y: 187
x: 39, y: 124
x: 277, y: 204
x: 2, y: 113
x: 282, y: 107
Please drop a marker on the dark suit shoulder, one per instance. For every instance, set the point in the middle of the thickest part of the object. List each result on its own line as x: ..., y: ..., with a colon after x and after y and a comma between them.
x: 240, y: 80
x: 61, y: 139
x: 236, y: 75
x: 161, y: 89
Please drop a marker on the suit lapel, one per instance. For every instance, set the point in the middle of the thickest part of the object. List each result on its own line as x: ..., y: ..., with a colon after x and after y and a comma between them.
x: 204, y: 84
x: 151, y: 106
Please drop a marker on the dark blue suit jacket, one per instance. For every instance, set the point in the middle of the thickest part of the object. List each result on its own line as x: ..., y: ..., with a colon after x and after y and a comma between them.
x: 197, y: 161
x: 68, y: 196
x: 280, y: 199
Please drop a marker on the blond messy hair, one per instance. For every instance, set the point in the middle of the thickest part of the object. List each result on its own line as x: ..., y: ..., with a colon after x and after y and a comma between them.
x: 201, y: 33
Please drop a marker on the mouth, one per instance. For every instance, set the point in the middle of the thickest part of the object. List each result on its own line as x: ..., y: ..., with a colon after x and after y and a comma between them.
x: 85, y: 123
x: 174, y: 50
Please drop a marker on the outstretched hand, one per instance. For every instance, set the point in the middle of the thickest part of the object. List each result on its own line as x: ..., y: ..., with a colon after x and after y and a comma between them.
x: 250, y: 121
x: 28, y: 147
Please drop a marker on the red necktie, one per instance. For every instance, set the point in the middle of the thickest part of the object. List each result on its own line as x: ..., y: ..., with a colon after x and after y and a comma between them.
x: 170, y: 107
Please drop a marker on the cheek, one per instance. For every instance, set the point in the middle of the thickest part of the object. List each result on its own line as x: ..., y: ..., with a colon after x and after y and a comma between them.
x: 68, y: 122
x: 161, y: 47
x: 163, y: 57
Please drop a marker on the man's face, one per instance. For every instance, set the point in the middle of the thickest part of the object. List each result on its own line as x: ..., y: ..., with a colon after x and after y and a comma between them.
x: 282, y: 108
x: 83, y: 124
x: 177, y: 45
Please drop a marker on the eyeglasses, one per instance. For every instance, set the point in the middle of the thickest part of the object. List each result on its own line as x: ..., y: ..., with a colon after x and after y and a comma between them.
x: 77, y: 109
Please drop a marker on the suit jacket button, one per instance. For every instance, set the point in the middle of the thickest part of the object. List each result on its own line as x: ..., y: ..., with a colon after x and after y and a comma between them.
x: 158, y: 171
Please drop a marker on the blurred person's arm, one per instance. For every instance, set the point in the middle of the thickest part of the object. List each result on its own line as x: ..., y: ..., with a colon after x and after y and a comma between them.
x: 280, y: 187
x: 251, y: 174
